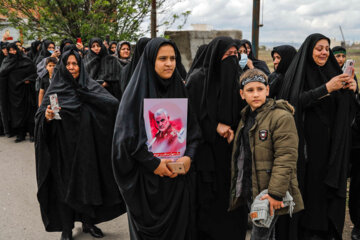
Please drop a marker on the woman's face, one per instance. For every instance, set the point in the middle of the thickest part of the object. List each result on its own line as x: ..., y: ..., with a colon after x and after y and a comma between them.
x: 340, y: 58
x: 230, y: 52
x: 5, y: 51
x: 321, y: 52
x: 51, y: 47
x: 95, y: 47
x: 12, y: 51
x: 276, y: 60
x: 72, y: 66
x: 242, y: 50
x: 113, y: 47
x: 124, y: 51
x: 248, y: 48
x: 165, y: 62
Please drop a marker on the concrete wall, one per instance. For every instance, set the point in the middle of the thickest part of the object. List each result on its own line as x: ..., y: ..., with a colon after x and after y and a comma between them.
x: 189, y: 41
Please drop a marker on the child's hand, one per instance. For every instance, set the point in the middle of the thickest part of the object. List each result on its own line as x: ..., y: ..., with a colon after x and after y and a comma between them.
x: 274, y: 204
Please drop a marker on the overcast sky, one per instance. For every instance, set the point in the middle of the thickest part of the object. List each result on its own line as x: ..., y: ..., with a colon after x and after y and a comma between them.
x: 284, y: 20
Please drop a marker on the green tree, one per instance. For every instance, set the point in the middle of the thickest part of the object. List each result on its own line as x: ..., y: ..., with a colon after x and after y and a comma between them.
x: 57, y: 19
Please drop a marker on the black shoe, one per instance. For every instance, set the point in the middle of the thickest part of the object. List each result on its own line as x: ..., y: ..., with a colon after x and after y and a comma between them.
x: 355, y: 234
x: 32, y: 139
x: 19, y: 139
x: 93, y: 230
x: 66, y: 236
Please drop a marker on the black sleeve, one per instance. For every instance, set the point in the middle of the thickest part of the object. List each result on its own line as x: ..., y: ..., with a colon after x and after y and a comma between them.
x: 308, y: 98
x: 42, y: 83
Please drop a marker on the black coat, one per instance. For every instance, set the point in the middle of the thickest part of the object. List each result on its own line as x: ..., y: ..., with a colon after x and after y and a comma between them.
x: 73, y: 155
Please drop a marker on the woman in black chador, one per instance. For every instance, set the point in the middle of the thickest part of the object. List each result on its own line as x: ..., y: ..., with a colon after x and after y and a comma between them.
x: 73, y: 155
x: 252, y: 61
x: 213, y: 89
x: 129, y: 69
x: 282, y: 57
x: 324, y: 100
x: 159, y: 202
x: 17, y: 93
x: 103, y: 67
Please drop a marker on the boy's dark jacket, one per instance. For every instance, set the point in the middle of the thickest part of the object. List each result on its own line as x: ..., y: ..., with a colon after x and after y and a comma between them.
x: 274, y: 154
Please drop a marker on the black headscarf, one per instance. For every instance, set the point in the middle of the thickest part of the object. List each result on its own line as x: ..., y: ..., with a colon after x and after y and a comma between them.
x: 76, y: 150
x: 303, y: 75
x: 158, y: 208
x: 213, y: 87
x: 129, y: 69
x: 2, y: 46
x: 259, y: 64
x: 110, y: 44
x: 33, y: 50
x: 63, y: 44
x: 287, y: 53
x: 198, y: 59
x: 123, y: 61
x: 44, y: 53
x: 104, y: 67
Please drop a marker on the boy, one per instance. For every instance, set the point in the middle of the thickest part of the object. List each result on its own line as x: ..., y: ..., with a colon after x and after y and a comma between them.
x: 265, y: 152
x: 46, y: 80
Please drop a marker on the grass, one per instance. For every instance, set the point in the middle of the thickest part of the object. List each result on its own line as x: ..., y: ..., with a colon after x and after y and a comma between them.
x: 354, y: 54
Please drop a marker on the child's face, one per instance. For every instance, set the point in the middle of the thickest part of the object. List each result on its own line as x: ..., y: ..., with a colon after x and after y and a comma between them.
x: 255, y: 94
x: 50, y: 67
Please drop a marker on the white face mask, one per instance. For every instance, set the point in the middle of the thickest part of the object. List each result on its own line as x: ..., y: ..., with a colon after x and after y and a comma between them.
x: 243, y: 60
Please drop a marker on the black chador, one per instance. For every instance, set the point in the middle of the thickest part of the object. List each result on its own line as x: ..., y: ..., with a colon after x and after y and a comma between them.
x: 158, y: 207
x: 129, y: 69
x: 323, y: 122
x: 104, y: 67
x: 275, y: 79
x: 17, y: 93
x: 73, y: 155
x: 213, y: 89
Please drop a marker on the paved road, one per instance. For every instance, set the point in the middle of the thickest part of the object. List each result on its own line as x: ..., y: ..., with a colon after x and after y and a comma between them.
x: 19, y: 209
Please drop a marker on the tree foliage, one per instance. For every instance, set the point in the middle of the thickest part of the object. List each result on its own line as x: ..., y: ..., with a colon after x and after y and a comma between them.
x: 57, y: 19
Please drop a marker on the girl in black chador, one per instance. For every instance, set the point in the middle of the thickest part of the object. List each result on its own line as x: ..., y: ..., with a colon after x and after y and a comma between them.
x: 160, y: 203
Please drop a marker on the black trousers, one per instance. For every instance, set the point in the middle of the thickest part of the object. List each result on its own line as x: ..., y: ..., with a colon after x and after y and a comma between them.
x: 354, y: 193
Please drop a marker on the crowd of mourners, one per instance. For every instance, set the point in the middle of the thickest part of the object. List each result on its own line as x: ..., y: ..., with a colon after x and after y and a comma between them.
x: 266, y: 152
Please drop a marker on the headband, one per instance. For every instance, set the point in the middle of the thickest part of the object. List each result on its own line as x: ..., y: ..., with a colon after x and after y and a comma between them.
x: 256, y: 78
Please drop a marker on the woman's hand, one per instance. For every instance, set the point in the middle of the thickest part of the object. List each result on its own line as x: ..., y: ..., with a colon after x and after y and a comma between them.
x: 49, y: 114
x: 230, y: 136
x: 337, y: 82
x: 79, y: 46
x: 105, y: 84
x: 162, y: 170
x: 350, y: 85
x: 187, y: 162
x: 222, y: 129
x: 273, y: 204
x: 250, y: 64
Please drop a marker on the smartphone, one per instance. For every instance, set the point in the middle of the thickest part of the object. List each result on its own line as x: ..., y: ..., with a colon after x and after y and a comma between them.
x: 78, y: 40
x: 176, y: 167
x: 107, y: 38
x: 349, y: 66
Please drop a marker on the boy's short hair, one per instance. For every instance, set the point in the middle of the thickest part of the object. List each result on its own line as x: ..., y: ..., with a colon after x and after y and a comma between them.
x: 51, y: 60
x: 252, y: 74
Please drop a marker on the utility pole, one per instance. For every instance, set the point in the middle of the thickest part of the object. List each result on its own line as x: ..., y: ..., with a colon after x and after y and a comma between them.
x: 153, y: 19
x: 255, y: 27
